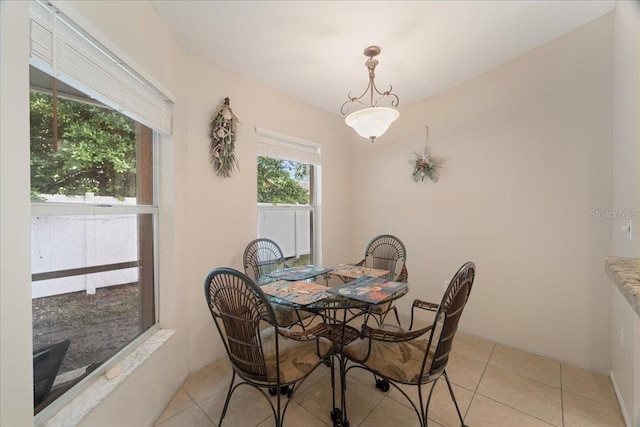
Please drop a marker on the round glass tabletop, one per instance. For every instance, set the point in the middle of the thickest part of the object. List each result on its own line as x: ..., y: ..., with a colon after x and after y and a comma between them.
x: 349, y: 295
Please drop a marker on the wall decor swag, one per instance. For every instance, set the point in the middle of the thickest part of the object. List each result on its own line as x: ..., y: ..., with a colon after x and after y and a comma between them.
x: 424, y: 164
x: 222, y: 133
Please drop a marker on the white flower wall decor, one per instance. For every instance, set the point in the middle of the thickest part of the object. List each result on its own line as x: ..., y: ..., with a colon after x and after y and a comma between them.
x: 425, y: 165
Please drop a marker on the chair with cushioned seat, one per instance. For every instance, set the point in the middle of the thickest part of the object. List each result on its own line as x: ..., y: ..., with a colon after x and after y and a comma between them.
x: 262, y: 354
x: 416, y: 357
x: 386, y: 252
x: 262, y: 256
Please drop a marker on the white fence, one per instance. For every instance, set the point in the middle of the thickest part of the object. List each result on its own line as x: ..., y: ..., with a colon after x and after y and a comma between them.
x: 289, y: 226
x: 75, y: 241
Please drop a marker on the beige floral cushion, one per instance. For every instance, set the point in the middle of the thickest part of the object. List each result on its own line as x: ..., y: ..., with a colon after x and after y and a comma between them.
x: 297, y: 358
x: 397, y: 361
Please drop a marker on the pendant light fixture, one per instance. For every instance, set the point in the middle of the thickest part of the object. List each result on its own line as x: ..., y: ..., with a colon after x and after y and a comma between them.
x: 371, y: 121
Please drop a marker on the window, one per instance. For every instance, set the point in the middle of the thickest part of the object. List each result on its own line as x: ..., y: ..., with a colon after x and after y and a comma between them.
x: 94, y: 126
x: 288, y: 196
x: 92, y: 229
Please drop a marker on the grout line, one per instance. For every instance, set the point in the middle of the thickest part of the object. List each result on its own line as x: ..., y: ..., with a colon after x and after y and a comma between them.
x: 561, y: 396
x: 177, y: 413
x: 517, y: 410
x: 527, y: 378
x: 207, y: 415
x: 475, y: 391
x: 484, y: 370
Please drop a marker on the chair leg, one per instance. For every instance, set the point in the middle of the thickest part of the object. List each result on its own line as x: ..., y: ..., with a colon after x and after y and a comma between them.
x: 395, y: 311
x: 426, y: 409
x: 455, y: 402
x: 226, y: 402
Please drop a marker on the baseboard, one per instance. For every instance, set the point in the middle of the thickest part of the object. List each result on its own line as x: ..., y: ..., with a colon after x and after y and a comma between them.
x: 623, y: 409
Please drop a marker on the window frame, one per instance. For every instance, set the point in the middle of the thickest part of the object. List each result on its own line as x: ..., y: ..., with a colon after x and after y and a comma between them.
x: 283, y: 147
x: 61, y: 209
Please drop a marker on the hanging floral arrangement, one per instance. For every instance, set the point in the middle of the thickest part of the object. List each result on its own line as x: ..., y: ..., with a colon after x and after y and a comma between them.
x: 425, y: 165
x: 222, y: 133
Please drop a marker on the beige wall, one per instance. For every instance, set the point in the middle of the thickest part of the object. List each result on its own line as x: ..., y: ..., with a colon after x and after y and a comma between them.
x: 529, y: 152
x: 625, y: 323
x: 222, y: 213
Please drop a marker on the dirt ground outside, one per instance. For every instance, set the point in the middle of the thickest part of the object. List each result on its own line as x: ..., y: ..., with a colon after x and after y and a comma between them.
x: 98, y: 325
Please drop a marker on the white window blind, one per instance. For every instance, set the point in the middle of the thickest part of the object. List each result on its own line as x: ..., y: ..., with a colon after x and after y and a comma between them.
x: 63, y: 50
x: 278, y: 146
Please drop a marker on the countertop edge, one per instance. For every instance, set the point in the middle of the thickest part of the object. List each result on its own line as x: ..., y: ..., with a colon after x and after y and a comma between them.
x: 625, y: 273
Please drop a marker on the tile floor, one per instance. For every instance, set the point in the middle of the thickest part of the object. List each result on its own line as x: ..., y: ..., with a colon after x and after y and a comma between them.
x: 495, y: 386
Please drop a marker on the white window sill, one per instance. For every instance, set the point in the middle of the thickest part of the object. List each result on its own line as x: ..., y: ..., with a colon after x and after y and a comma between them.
x: 85, y: 402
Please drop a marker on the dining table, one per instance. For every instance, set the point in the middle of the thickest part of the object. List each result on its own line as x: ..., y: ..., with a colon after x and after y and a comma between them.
x: 339, y: 303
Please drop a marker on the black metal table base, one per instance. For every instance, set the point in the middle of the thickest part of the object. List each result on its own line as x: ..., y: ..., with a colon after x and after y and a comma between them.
x: 340, y: 335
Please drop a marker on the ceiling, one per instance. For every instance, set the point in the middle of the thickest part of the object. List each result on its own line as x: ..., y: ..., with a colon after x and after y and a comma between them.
x: 313, y: 50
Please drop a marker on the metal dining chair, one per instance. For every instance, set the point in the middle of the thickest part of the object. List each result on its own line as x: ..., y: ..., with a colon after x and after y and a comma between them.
x: 262, y: 256
x: 386, y: 252
x: 262, y: 354
x: 415, y: 357
x: 46, y: 364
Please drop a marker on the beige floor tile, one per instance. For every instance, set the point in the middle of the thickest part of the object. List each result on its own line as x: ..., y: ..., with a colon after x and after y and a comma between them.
x: 441, y: 408
x: 179, y: 403
x: 472, y: 347
x: 581, y: 412
x: 464, y: 371
x: 361, y: 400
x: 192, y: 417
x: 362, y: 376
x: 296, y: 415
x: 512, y: 388
x: 590, y: 385
x: 389, y: 413
x: 531, y: 397
x: 237, y: 414
x: 318, y: 399
x: 209, y: 380
x: 485, y: 412
x: 321, y: 373
x: 528, y: 365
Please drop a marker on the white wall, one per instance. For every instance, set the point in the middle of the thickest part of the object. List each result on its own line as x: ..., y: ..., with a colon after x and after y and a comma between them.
x: 625, y: 322
x: 529, y: 153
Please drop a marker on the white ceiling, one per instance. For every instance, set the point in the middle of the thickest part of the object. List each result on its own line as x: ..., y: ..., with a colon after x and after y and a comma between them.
x: 313, y: 50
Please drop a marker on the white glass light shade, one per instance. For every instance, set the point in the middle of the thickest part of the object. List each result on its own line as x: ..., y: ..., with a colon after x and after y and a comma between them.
x: 372, y: 122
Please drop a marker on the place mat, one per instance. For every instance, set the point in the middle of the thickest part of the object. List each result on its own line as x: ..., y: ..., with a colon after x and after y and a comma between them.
x: 369, y: 289
x: 355, y: 272
x: 301, y: 293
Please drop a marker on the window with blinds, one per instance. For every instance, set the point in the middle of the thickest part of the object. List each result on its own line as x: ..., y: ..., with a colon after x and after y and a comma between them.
x: 94, y: 134
x: 289, y: 172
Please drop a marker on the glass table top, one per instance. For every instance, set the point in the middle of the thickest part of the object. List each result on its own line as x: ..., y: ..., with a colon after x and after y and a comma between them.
x: 363, y: 292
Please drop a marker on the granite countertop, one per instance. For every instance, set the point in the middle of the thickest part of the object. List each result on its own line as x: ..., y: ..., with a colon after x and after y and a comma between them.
x: 625, y: 273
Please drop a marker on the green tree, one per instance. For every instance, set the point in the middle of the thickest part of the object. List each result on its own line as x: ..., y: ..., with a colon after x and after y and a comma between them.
x: 276, y: 183
x: 96, y: 149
